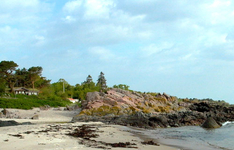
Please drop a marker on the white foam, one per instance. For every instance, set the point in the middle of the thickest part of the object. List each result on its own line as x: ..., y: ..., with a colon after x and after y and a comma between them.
x: 228, y: 122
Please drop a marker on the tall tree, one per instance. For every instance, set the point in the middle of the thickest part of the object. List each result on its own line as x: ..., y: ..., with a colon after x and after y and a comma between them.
x: 7, y: 72
x: 34, y: 74
x: 89, y: 79
x: 22, y: 76
x: 102, y: 81
x: 42, y: 82
x: 89, y: 84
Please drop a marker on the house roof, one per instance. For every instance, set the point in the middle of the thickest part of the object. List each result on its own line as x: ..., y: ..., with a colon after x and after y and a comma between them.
x: 25, y: 89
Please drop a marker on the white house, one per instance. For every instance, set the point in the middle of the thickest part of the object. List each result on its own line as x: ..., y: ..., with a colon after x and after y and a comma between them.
x: 22, y: 90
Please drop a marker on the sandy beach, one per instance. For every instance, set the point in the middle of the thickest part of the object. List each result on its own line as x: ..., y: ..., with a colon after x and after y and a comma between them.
x: 53, y: 132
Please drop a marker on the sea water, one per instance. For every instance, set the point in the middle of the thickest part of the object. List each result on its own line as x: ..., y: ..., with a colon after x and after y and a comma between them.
x: 194, y: 137
x: 197, y: 138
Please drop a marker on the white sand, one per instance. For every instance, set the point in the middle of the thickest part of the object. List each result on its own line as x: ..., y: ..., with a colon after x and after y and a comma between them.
x: 58, y: 140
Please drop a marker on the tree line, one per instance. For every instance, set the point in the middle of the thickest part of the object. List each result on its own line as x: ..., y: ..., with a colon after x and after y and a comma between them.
x: 11, y: 77
x: 63, y: 89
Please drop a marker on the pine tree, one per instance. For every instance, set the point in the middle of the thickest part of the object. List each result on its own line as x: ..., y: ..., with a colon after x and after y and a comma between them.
x: 89, y: 83
x: 102, y: 81
x: 89, y: 79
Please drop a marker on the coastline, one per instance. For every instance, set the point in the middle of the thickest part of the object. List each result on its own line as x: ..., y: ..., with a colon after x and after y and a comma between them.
x: 186, y: 137
x: 141, y: 133
x: 51, y: 129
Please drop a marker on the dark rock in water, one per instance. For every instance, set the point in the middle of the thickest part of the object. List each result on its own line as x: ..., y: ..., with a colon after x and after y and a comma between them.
x: 210, y: 123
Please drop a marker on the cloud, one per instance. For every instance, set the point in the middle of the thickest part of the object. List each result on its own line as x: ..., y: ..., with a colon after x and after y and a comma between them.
x: 164, y: 43
x: 90, y: 9
x: 98, y: 9
x: 25, y: 12
x: 69, y: 19
x: 72, y: 6
x: 39, y: 40
x: 102, y: 53
x: 153, y: 48
x: 9, y: 4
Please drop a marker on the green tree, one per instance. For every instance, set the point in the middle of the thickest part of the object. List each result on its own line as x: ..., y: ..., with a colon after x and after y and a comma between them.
x: 34, y: 74
x: 7, y: 72
x: 89, y: 84
x: 42, y: 82
x: 102, y: 81
x: 63, y: 89
x: 22, y: 76
x: 80, y: 90
x: 121, y: 86
x: 2, y: 86
x: 89, y: 79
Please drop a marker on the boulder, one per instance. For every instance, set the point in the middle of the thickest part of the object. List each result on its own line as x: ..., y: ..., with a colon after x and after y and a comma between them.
x: 72, y: 107
x: 210, y: 123
x: 92, y: 96
x: 138, y: 119
x: 160, y: 121
x: 6, y: 113
x: 35, y: 117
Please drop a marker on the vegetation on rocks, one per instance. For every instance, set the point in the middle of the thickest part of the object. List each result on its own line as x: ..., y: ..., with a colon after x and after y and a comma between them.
x: 149, y: 110
x: 122, y: 102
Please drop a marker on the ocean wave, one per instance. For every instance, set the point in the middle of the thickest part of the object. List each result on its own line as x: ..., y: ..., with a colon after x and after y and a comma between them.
x: 228, y: 122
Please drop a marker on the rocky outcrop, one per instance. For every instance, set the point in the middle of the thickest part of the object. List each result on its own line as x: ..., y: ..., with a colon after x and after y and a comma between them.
x: 218, y: 112
x: 210, y: 123
x: 120, y: 102
x: 144, y: 120
x: 143, y: 110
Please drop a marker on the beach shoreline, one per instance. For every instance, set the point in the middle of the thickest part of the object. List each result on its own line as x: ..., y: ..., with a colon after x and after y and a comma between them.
x: 50, y: 131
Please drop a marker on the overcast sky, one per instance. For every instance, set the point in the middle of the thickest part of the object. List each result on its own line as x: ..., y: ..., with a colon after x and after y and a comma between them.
x: 182, y: 47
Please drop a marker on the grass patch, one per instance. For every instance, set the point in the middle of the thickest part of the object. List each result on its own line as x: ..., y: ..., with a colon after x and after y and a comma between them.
x: 28, y: 102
